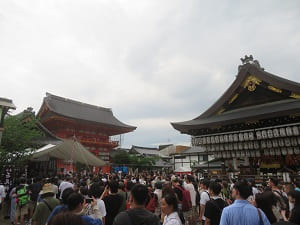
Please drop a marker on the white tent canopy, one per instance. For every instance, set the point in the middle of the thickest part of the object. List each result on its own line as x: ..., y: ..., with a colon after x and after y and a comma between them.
x: 67, y: 150
x: 183, y: 170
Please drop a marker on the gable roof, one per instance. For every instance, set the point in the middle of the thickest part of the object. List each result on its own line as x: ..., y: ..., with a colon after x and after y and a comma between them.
x: 285, y: 99
x: 78, y: 110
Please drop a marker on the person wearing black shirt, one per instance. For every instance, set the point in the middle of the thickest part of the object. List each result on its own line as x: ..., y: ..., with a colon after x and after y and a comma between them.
x: 214, y: 207
x: 112, y: 202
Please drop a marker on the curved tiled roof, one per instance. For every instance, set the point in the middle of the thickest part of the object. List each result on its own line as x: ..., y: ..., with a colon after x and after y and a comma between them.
x: 78, y: 110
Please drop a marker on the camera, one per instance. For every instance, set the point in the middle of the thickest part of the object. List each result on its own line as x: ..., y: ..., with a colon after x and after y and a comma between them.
x: 88, y: 200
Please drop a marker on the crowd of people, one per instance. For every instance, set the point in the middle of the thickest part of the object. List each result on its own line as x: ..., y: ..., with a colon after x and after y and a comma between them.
x: 149, y: 199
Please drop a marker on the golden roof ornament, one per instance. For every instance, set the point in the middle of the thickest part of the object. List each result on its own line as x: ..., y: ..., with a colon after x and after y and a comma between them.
x: 250, y: 60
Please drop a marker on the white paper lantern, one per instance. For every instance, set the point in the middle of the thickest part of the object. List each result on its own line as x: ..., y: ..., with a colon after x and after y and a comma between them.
x: 252, y: 154
x: 243, y: 154
x: 241, y: 137
x: 297, y: 150
x: 263, y: 144
x: 264, y: 134
x: 217, y: 139
x: 238, y: 154
x: 230, y: 138
x: 277, y: 151
x: 256, y: 145
x: 257, y: 153
x: 230, y: 146
x: 287, y: 142
x: 233, y: 154
x: 240, y: 146
x: 258, y: 135
x: 228, y: 155
x: 289, y: 131
x: 221, y: 139
x: 204, y: 140
x: 295, y: 131
x: 235, y: 146
x: 235, y: 137
x: 217, y: 147
x: 276, y: 132
x: 290, y: 151
x: 270, y: 133
x: 282, y: 132
x: 251, y: 136
x: 250, y: 145
x: 246, y: 136
x: 272, y: 152
x: 212, y: 139
x: 269, y: 144
x: 266, y: 152
x: 226, y: 147
x: 207, y: 140
x: 284, y: 151
x: 275, y: 143
x: 225, y: 138
x: 294, y: 141
x: 246, y: 145
x: 281, y: 142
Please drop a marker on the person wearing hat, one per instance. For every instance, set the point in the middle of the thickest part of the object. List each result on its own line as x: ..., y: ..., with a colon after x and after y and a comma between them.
x: 45, y: 207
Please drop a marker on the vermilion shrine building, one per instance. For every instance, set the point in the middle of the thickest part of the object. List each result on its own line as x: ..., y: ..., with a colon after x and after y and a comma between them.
x: 91, y: 125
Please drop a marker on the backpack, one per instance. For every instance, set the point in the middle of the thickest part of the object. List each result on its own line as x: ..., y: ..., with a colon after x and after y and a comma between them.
x: 22, y: 196
x: 286, y: 202
x: 186, y: 199
x: 152, y: 204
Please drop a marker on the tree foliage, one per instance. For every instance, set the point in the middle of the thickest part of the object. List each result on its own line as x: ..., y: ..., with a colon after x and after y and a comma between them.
x: 18, y: 140
x: 133, y: 160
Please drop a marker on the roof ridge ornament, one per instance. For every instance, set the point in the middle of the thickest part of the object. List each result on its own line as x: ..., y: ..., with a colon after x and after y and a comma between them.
x: 250, y: 60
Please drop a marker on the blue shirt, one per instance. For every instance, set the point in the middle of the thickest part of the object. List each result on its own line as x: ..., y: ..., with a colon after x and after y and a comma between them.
x: 57, y: 210
x: 90, y: 221
x: 241, y: 212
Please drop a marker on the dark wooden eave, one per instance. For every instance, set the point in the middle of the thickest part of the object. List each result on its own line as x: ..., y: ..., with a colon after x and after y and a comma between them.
x: 283, y: 99
x: 82, y: 111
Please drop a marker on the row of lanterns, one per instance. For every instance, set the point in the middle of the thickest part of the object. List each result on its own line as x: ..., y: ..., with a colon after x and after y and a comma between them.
x: 248, y: 136
x: 257, y: 153
x: 273, y: 143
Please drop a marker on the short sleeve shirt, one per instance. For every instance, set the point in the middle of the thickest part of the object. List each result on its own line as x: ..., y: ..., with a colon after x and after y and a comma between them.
x: 204, y: 199
x: 213, y: 210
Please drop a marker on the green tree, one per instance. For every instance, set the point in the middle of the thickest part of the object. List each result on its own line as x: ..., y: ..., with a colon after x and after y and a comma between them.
x: 133, y: 160
x: 18, y: 140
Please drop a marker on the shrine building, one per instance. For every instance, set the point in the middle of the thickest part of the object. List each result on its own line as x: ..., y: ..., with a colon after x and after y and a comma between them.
x: 256, y: 122
x: 93, y: 126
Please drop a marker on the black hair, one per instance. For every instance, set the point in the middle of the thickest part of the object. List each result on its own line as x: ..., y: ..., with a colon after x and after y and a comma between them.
x: 171, y: 200
x: 296, y: 195
x: 65, y: 195
x: 96, y: 190
x: 158, y: 185
x: 244, y: 189
x: 274, y: 180
x: 265, y: 201
x: 74, y: 200
x: 66, y: 218
x: 129, y: 185
x: 215, y: 187
x: 139, y: 193
x: 190, y: 178
x: 113, y: 186
x: 205, y: 182
x: 84, y: 191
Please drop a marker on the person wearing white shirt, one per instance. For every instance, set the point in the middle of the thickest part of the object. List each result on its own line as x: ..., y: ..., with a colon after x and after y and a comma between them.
x: 2, y: 193
x: 64, y: 185
x: 169, y: 207
x: 203, y: 198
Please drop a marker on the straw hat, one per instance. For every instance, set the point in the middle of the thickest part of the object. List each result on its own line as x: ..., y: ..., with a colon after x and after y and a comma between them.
x: 47, y: 188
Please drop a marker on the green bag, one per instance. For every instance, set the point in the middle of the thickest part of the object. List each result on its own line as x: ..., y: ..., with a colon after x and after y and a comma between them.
x: 22, y: 196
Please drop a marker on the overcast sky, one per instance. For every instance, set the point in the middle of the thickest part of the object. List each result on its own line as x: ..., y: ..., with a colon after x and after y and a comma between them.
x: 151, y: 61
